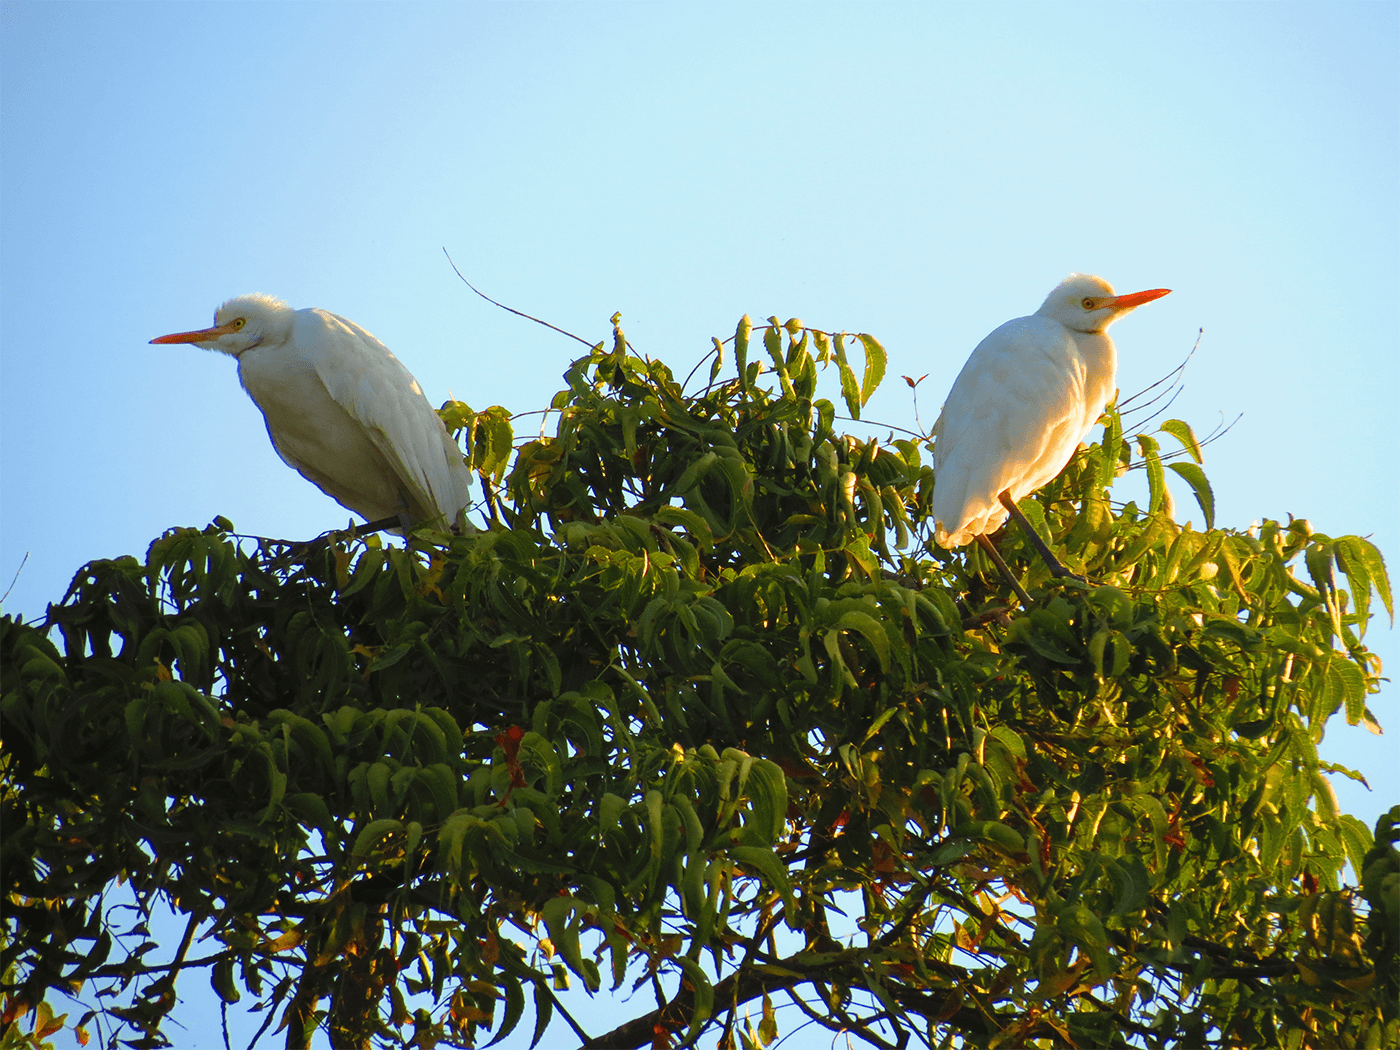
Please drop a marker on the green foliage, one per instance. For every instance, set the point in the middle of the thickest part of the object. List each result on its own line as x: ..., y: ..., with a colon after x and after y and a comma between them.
x: 704, y: 682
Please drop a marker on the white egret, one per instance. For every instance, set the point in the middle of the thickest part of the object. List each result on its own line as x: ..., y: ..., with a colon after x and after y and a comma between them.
x: 342, y: 411
x: 1027, y: 396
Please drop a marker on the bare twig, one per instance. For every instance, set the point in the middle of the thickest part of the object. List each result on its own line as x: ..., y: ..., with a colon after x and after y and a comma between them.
x: 914, y: 387
x: 518, y: 313
x: 887, y: 426
x: 697, y: 368
x: 1175, y: 394
x: 16, y: 578
x: 765, y: 927
x: 578, y: 1031
x: 1170, y: 377
x: 1215, y: 435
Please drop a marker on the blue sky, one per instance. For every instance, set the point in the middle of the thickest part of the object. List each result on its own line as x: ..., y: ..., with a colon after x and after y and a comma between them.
x: 921, y: 172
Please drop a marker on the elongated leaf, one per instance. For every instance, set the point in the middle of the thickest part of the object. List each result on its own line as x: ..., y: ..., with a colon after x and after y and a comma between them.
x: 1182, y: 432
x: 1347, y: 552
x: 870, y: 628
x: 1111, y: 449
x: 373, y: 834
x: 850, y: 389
x: 773, y: 343
x: 1380, y: 579
x: 718, y: 362
x: 1156, y: 479
x: 770, y: 867
x: 741, y: 350
x: 544, y: 1011
x: 703, y: 1003
x: 1200, y: 488
x: 875, y: 361
x: 1358, y: 840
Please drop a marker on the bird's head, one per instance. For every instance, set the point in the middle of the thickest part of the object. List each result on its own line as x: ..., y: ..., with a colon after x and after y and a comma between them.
x: 1085, y: 303
x: 239, y: 325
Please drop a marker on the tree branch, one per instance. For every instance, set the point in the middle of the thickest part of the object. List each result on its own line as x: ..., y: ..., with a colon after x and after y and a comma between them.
x: 503, y: 306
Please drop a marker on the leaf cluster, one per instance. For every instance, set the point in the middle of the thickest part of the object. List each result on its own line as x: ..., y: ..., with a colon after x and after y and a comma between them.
x: 705, y: 712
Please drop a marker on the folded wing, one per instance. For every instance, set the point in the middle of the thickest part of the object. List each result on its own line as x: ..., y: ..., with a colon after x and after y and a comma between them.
x: 379, y: 393
x: 1013, y: 419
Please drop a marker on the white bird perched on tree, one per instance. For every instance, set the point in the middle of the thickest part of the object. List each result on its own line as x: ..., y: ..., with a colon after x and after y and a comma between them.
x: 342, y: 410
x: 1021, y: 405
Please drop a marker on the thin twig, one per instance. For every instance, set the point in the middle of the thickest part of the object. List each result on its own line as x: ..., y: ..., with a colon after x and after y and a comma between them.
x: 914, y: 391
x: 887, y: 426
x: 1166, y: 378
x: 697, y: 368
x: 578, y: 1030
x: 16, y: 579
x: 1175, y: 394
x: 765, y: 926
x: 518, y: 313
x: 1215, y: 435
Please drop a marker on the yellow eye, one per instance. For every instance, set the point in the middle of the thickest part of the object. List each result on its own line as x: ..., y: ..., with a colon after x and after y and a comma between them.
x: 1088, y: 304
x: 241, y: 322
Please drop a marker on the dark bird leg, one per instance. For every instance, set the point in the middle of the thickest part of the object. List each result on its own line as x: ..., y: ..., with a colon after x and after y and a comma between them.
x: 992, y: 553
x: 1056, y: 569
x: 398, y: 521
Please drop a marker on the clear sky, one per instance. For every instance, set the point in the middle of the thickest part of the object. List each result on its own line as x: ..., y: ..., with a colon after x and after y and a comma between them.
x: 921, y: 172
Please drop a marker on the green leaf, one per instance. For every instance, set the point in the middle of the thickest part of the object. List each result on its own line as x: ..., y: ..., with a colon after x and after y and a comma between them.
x: 1343, y: 684
x: 875, y: 361
x: 850, y: 389
x: 741, y: 350
x: 544, y: 1011
x: 1356, y: 838
x: 560, y: 916
x: 704, y: 1000
x: 1082, y: 927
x: 1131, y: 884
x: 1110, y: 451
x: 691, y: 522
x: 869, y: 628
x: 1376, y: 572
x: 369, y: 838
x: 1006, y: 839
x: 772, y: 870
x: 766, y: 787
x: 1156, y: 479
x: 1200, y: 488
x: 1182, y: 432
x: 221, y: 979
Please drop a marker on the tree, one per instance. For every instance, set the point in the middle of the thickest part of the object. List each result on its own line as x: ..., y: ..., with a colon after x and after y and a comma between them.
x: 702, y: 683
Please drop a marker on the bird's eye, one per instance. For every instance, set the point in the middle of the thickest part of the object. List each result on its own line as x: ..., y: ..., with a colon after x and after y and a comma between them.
x: 241, y: 322
x: 1088, y: 304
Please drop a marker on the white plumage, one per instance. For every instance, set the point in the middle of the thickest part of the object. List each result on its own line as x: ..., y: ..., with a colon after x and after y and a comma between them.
x: 1020, y: 406
x: 341, y: 410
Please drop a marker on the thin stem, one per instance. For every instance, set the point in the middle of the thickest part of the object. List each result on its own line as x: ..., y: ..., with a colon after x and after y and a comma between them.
x: 14, y: 581
x: 1170, y: 376
x: 503, y: 306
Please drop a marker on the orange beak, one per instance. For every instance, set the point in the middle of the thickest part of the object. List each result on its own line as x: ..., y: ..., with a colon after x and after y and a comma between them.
x: 204, y: 335
x: 1134, y: 299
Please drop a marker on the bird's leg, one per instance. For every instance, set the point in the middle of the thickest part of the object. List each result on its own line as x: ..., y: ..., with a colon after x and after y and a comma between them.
x: 1056, y: 569
x: 1005, y: 570
x: 397, y: 521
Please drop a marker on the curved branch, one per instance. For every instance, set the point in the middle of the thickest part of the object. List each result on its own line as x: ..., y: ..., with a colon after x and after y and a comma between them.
x: 785, y: 975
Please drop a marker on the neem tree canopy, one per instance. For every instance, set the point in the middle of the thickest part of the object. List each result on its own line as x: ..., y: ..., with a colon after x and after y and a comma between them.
x: 704, y: 715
